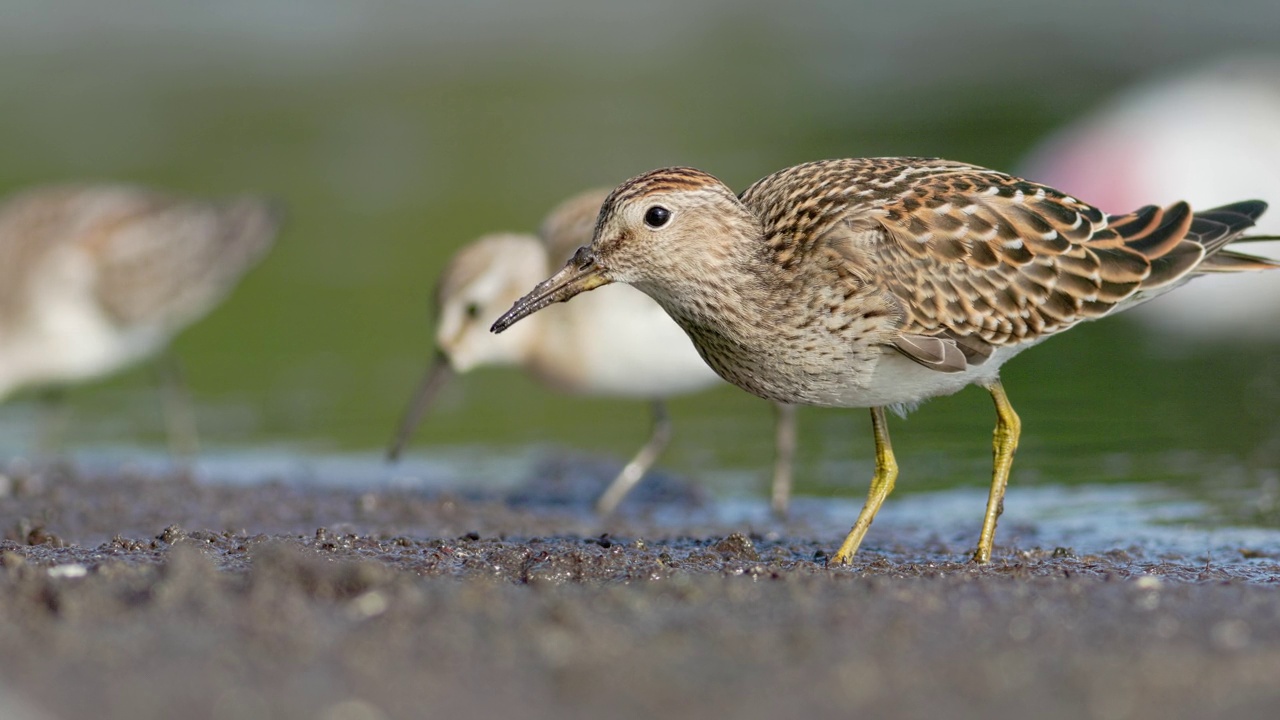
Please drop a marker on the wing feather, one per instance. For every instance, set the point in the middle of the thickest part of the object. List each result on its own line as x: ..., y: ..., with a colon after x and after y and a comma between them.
x: 977, y: 259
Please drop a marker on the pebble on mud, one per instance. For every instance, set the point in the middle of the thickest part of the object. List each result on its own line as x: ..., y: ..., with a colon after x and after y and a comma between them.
x: 737, y: 546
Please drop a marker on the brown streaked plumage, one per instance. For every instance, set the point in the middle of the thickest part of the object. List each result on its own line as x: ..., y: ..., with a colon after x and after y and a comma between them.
x: 884, y: 282
x: 619, y: 343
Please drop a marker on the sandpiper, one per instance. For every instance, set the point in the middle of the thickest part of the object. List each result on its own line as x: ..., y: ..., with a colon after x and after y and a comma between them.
x: 96, y: 277
x: 884, y: 282
x: 620, y: 344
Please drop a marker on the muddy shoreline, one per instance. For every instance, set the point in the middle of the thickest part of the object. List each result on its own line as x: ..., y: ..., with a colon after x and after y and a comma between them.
x: 124, y: 595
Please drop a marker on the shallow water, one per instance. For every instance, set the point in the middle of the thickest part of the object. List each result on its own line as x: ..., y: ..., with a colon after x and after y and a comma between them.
x: 1234, y: 523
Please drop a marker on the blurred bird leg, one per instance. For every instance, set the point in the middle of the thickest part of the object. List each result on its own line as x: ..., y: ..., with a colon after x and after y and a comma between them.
x: 54, y: 414
x: 640, y: 464
x: 784, y: 458
x: 179, y: 410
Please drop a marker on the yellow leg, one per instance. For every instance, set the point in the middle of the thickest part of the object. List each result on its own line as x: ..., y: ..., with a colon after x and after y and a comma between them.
x: 1008, y: 428
x: 881, y: 486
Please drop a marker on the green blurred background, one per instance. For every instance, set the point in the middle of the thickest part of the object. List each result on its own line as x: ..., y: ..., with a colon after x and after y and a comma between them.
x: 397, y: 131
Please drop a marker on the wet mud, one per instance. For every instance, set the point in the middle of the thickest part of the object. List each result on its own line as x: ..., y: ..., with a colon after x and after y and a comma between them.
x: 126, y: 595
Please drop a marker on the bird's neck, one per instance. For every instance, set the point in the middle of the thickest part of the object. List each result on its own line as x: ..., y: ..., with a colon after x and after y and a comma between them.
x: 719, y: 296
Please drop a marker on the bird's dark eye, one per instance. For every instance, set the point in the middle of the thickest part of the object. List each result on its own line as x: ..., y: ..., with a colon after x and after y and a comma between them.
x: 656, y: 216
x: 472, y: 310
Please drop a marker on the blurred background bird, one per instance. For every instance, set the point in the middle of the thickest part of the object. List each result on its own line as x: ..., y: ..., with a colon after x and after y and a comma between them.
x: 1208, y: 136
x: 94, y: 278
x: 617, y: 342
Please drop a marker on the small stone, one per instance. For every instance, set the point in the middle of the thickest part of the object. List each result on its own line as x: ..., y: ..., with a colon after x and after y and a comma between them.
x: 737, y: 545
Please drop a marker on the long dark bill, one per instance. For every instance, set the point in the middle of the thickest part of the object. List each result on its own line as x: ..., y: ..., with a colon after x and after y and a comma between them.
x: 435, y: 378
x: 578, y: 276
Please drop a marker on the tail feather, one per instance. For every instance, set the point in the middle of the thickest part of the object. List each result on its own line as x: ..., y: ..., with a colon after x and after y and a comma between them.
x: 1219, y: 227
x: 1227, y: 261
x: 1178, y: 243
x: 1216, y: 227
x: 1246, y: 212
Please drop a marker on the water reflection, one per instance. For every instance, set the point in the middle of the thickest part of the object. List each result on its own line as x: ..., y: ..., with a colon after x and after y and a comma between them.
x: 1203, y: 515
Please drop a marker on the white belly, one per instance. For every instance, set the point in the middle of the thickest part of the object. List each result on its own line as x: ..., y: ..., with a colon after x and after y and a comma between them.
x: 903, y: 383
x: 63, y: 335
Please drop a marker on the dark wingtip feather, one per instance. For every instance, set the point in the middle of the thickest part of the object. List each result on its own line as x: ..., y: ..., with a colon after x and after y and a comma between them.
x: 1248, y: 209
x: 1219, y: 227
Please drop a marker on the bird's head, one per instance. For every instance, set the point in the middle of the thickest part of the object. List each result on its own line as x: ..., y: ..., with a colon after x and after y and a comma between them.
x: 662, y: 231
